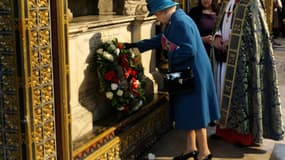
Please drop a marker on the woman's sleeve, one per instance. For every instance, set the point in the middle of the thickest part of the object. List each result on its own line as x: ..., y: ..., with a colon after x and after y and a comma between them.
x: 147, y: 44
x: 185, y: 37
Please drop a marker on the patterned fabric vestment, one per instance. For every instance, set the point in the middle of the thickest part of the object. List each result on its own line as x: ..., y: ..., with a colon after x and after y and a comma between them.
x: 251, y: 100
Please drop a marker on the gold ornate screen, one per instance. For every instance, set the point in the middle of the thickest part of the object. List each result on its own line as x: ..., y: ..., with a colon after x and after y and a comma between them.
x: 37, y: 78
x: 27, y: 110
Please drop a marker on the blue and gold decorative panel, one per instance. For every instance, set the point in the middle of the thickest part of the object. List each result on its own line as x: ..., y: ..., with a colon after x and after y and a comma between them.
x: 27, y: 92
x: 10, y: 133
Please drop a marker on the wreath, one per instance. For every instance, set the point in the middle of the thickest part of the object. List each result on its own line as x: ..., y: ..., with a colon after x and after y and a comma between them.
x: 120, y: 75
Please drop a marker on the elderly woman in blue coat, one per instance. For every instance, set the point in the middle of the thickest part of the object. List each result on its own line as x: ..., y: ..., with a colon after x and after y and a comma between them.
x: 191, y: 111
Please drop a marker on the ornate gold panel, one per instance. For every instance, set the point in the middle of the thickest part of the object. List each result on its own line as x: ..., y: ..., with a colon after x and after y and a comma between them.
x: 27, y: 103
x: 110, y: 151
x: 36, y: 56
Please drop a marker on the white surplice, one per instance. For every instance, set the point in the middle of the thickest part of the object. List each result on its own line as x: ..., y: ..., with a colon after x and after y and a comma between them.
x: 224, y: 32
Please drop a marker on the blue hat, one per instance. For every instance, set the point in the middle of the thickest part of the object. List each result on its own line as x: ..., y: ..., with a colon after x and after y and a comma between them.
x: 159, y: 5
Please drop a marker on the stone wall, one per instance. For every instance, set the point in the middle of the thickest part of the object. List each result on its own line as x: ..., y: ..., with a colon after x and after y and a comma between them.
x: 87, y: 105
x: 107, y: 7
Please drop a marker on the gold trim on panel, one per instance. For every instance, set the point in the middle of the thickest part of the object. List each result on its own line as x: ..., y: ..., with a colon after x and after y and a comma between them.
x: 110, y: 151
x: 89, y: 144
x: 62, y: 30
x: 23, y: 46
x: 38, y: 79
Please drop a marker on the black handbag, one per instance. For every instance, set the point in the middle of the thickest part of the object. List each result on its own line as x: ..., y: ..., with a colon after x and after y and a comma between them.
x: 180, y: 81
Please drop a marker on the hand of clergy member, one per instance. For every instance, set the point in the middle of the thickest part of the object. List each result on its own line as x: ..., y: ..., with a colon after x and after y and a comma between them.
x: 207, y: 39
x: 225, y: 45
x: 218, y: 43
x: 130, y: 45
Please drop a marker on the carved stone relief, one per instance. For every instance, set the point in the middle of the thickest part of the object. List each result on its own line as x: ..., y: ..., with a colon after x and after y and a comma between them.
x: 135, y: 7
x: 105, y: 7
x: 69, y: 15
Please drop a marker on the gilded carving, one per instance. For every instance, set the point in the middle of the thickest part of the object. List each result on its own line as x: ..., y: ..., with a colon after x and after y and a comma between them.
x: 39, y: 152
x: 32, y: 3
x: 43, y: 18
x: 110, y: 151
x: 41, y: 81
x: 43, y: 3
x: 93, y: 142
x: 33, y: 19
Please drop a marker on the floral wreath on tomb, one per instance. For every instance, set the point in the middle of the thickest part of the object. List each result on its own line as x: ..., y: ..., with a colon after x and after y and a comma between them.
x: 121, y: 76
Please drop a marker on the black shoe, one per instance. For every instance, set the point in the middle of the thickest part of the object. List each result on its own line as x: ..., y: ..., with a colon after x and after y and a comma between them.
x: 215, y: 137
x: 212, y: 124
x: 186, y: 156
x: 209, y: 157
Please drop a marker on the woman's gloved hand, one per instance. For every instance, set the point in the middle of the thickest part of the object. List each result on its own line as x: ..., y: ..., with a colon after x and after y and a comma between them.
x: 130, y: 45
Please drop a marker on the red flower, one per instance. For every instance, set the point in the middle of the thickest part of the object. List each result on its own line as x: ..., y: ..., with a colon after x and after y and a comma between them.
x: 126, y: 75
x: 130, y: 71
x: 123, y: 73
x: 135, y: 83
x: 124, y: 60
x: 120, y: 45
x: 115, y: 80
x: 136, y: 93
x: 134, y: 73
x: 109, y: 75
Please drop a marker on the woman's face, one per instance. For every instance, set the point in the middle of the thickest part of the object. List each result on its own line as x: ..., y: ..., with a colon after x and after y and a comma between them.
x: 206, y: 3
x: 161, y: 17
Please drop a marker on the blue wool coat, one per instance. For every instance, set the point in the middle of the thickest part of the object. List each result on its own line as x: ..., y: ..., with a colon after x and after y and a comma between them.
x: 189, y: 110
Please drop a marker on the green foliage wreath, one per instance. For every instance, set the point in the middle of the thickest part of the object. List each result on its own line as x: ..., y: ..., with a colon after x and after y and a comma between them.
x: 120, y: 75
